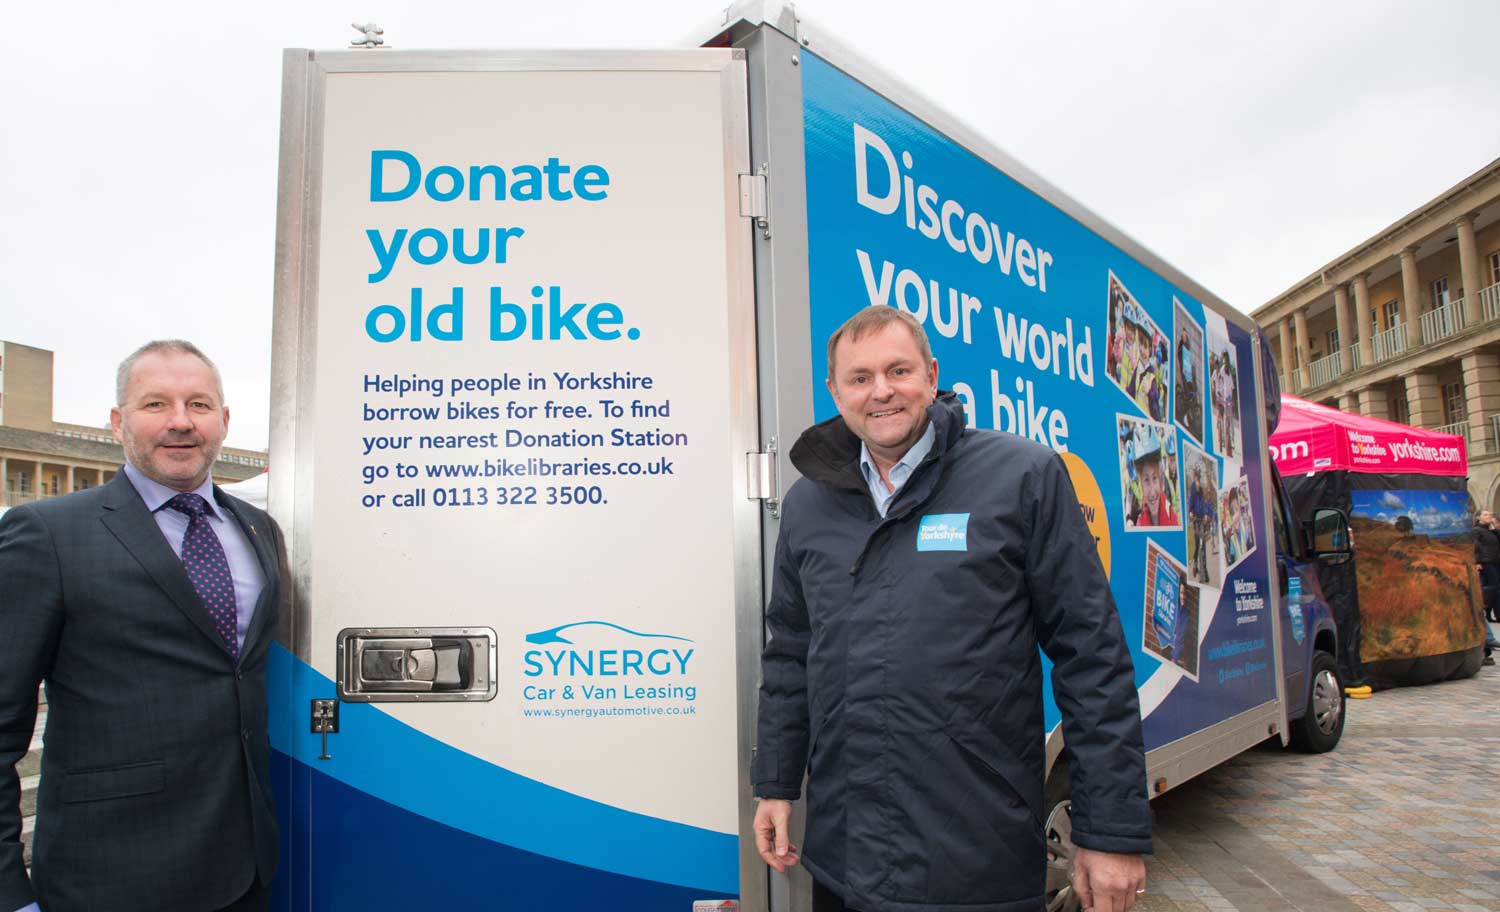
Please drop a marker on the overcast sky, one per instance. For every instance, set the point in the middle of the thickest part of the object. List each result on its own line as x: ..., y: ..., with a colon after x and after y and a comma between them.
x: 1247, y: 144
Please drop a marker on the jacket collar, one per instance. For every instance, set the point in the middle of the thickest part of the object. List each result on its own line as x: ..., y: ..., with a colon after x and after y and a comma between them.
x: 126, y: 516
x: 828, y: 452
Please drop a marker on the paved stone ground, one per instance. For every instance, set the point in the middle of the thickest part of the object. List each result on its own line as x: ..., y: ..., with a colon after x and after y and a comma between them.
x: 1403, y: 816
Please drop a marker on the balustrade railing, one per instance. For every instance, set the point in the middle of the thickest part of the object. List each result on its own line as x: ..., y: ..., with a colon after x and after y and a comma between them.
x: 1326, y: 370
x: 1461, y: 428
x: 1442, y: 322
x: 1389, y: 344
x: 1489, y: 302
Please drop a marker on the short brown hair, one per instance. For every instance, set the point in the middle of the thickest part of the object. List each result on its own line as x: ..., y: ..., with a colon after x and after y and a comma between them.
x: 874, y: 318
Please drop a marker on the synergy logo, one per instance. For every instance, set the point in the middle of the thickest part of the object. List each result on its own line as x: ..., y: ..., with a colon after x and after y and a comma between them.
x: 598, y: 668
x: 944, y: 532
x: 640, y: 656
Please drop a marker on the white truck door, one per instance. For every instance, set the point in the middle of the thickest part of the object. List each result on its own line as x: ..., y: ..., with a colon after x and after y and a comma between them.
x: 514, y: 393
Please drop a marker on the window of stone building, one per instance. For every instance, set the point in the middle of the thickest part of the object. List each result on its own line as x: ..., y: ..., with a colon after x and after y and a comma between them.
x: 1402, y: 409
x: 21, y: 483
x: 1333, y: 341
x: 1392, y: 312
x: 1495, y: 268
x: 1440, y: 293
x: 1453, y: 403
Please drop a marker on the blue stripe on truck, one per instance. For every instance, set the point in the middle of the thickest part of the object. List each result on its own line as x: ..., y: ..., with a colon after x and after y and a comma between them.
x: 380, y: 759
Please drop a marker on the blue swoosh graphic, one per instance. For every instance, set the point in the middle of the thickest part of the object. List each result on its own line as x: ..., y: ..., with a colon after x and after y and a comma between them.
x: 388, y: 759
x: 542, y: 637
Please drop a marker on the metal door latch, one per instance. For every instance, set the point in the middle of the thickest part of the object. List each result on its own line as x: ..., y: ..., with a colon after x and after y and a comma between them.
x: 416, y: 664
x: 325, y: 722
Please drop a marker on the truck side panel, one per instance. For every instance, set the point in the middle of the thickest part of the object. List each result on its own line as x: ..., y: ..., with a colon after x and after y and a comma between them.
x: 1047, y: 329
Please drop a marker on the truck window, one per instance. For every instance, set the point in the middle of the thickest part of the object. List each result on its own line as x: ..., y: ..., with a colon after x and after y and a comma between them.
x: 1284, y: 538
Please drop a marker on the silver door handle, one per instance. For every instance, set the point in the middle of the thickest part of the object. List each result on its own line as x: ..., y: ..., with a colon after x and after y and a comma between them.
x: 416, y: 664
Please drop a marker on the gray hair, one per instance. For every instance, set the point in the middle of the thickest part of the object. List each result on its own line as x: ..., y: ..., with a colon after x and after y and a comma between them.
x: 171, y: 346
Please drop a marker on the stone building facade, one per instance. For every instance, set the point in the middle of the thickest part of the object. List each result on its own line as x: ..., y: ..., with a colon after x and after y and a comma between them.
x: 1406, y: 326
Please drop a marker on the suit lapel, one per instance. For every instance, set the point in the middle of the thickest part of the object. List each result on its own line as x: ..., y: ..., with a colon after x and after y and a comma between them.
x: 126, y: 517
x: 262, y: 540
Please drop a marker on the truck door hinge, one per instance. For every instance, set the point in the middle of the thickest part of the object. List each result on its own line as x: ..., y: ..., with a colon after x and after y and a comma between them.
x: 753, y: 203
x: 761, y: 472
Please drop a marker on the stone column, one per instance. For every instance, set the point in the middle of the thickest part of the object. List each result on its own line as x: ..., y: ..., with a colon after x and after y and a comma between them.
x: 36, y: 479
x: 1424, y: 399
x: 4, y: 482
x: 98, y: 478
x: 68, y: 481
x: 1468, y: 267
x: 1364, y: 315
x: 1349, y: 402
x: 1411, y: 298
x: 1374, y: 402
x: 1299, y: 318
x: 1341, y: 314
x: 1481, y: 399
x: 1288, y: 360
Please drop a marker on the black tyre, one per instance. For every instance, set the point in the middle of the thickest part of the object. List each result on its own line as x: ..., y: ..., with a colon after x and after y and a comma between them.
x: 1057, y: 827
x: 1320, y: 728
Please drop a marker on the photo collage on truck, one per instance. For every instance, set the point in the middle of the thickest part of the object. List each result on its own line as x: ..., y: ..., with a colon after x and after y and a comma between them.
x: 1045, y: 328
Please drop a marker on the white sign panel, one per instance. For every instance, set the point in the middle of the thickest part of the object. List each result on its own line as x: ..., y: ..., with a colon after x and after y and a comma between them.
x: 530, y: 292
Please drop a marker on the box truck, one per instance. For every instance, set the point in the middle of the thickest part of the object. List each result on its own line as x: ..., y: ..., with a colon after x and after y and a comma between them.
x: 546, y: 323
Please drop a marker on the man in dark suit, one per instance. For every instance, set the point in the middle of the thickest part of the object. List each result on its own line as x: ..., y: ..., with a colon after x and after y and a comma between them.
x: 147, y: 606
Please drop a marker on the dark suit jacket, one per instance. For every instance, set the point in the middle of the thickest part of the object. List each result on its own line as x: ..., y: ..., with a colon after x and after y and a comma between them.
x: 154, y: 790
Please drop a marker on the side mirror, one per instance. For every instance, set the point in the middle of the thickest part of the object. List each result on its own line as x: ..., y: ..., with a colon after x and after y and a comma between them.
x: 1331, y: 539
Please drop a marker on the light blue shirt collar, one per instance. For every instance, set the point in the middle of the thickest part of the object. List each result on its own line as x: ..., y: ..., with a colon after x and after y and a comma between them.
x: 899, y: 473
x: 245, y: 571
x: 156, y: 494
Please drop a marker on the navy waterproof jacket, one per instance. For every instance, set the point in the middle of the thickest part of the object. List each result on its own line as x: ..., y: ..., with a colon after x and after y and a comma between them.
x: 902, y: 673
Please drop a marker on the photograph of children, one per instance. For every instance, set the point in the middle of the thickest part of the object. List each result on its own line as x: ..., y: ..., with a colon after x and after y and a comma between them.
x: 1170, y: 621
x: 1223, y: 385
x: 1148, y: 474
x: 1137, y: 357
x: 1187, y: 352
x: 1200, y: 473
x: 1236, y: 523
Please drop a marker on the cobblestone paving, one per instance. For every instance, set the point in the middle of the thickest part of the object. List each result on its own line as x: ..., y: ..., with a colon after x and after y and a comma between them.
x: 1404, y: 816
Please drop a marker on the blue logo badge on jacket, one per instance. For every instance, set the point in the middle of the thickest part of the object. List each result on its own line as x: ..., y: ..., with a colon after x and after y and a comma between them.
x: 944, y: 532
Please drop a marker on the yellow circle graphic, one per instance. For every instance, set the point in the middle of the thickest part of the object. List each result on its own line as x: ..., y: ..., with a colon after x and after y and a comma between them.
x: 1091, y: 499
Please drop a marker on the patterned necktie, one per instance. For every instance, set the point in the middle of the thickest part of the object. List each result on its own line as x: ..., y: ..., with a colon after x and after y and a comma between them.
x: 208, y: 568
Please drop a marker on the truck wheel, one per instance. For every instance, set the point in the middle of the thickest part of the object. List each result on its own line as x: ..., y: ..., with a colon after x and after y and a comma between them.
x: 1322, y: 725
x: 1057, y: 826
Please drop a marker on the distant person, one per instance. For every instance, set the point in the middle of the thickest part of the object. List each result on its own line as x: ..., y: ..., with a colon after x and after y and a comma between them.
x: 1487, y: 562
x: 1491, y: 603
x: 147, y: 607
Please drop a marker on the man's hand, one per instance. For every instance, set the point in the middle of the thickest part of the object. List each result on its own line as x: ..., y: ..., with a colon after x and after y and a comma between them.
x: 1104, y: 881
x: 773, y: 818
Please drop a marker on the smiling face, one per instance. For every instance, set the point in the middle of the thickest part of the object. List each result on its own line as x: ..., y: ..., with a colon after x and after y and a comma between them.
x: 882, y: 387
x: 171, y: 421
x: 1149, y: 471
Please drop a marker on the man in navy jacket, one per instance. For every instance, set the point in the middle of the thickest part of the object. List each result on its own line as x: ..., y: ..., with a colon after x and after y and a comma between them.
x: 920, y: 565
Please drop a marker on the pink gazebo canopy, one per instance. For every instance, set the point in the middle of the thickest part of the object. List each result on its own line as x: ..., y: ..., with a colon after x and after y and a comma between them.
x: 1316, y: 438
